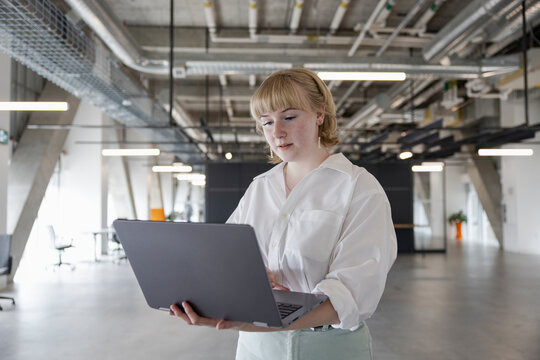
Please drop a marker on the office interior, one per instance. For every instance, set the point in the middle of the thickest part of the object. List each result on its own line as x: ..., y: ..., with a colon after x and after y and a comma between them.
x: 471, y: 83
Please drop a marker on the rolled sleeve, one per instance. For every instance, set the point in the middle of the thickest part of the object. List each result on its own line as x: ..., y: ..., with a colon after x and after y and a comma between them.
x: 342, y: 301
x: 361, y: 261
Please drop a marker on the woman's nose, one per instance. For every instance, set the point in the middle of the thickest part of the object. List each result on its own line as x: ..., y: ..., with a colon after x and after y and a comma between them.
x: 278, y: 129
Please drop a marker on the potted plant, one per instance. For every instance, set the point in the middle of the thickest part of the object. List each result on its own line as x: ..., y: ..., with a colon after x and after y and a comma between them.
x: 458, y: 218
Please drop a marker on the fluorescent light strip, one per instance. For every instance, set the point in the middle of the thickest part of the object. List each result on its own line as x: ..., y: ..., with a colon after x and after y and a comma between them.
x: 34, y: 106
x: 426, y: 168
x: 362, y: 76
x: 199, y: 182
x: 505, y: 152
x: 435, y: 163
x: 191, y: 177
x: 130, y: 152
x: 174, y: 168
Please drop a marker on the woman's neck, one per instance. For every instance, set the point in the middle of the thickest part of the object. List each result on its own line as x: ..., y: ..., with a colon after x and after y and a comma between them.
x: 295, y: 171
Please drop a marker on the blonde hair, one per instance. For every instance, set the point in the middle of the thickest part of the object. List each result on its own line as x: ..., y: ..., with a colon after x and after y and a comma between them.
x: 299, y: 89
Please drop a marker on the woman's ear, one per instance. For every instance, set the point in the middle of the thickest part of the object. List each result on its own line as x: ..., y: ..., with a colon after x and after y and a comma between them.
x: 320, y: 117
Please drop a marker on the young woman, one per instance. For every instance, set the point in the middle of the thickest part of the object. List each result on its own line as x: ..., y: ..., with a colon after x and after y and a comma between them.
x: 323, y: 226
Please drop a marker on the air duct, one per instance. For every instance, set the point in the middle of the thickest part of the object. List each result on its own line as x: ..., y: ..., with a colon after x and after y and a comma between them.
x: 476, y: 15
x: 37, y: 34
x: 103, y: 22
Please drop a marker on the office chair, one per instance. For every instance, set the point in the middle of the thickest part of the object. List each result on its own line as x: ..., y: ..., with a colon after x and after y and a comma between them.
x: 5, y: 261
x: 55, y: 243
x: 118, y: 249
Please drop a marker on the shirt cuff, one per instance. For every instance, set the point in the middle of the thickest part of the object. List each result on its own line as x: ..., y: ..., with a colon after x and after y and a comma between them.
x: 342, y: 301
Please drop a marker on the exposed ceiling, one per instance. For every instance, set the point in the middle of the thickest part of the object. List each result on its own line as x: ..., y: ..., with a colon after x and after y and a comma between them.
x: 224, y: 49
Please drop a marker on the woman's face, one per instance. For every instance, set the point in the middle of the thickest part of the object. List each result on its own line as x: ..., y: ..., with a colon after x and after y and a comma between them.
x: 291, y: 133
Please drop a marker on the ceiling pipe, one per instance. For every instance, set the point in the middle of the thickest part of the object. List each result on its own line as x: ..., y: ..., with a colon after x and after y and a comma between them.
x: 109, y: 29
x: 381, y: 19
x: 513, y: 22
x: 430, y: 12
x: 252, y: 81
x: 252, y: 13
x: 223, y: 80
x: 338, y: 16
x: 416, y: 8
x: 297, y: 13
x: 366, y: 27
x: 210, y: 18
x: 229, y: 108
x: 417, y: 89
x: 103, y: 22
x: 476, y: 15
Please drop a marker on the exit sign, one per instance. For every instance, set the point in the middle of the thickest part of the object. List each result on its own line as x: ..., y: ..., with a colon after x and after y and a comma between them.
x: 3, y: 137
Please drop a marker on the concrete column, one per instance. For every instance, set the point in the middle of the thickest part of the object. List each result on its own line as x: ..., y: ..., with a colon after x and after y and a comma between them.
x: 31, y: 168
x: 487, y: 183
x: 120, y: 186
x: 104, y: 191
x: 5, y: 149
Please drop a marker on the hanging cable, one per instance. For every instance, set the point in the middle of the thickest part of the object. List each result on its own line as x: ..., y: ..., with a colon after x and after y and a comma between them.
x: 525, y: 67
x: 171, y: 62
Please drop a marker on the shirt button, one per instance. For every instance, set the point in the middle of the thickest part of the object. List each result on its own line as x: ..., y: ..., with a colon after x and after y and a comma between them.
x: 284, y: 214
x: 274, y: 244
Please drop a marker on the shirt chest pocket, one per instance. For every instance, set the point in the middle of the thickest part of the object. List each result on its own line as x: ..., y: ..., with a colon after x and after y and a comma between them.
x: 313, y: 233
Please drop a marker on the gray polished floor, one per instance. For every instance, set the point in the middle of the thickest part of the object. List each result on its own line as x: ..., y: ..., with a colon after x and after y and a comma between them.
x: 471, y: 303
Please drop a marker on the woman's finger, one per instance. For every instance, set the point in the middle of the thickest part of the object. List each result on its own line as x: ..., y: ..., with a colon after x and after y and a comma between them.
x: 175, y: 310
x: 277, y: 286
x: 195, y: 318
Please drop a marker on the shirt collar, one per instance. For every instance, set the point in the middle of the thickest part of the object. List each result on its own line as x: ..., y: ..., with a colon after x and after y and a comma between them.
x: 338, y: 162
x: 335, y: 161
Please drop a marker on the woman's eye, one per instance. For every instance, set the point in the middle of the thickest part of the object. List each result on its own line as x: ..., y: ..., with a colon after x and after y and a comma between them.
x: 264, y: 123
x: 290, y: 118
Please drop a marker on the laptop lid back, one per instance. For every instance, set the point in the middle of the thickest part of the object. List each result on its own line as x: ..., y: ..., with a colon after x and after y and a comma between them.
x: 217, y: 268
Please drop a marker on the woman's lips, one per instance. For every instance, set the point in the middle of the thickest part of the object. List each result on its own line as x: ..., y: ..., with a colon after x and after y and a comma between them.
x: 284, y: 147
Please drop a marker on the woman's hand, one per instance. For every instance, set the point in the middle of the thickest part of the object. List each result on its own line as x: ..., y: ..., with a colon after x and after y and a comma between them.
x: 274, y: 283
x: 192, y: 318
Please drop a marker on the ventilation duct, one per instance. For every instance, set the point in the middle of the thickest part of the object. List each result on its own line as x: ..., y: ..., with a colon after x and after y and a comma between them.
x: 475, y: 16
x: 38, y: 35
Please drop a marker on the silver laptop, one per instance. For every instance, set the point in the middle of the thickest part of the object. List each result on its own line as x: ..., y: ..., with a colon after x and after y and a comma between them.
x: 217, y: 268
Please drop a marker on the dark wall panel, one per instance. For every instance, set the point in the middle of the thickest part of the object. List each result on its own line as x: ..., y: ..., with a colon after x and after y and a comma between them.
x: 226, y: 183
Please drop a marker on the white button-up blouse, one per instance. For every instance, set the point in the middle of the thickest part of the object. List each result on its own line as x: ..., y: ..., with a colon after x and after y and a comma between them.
x: 332, y: 235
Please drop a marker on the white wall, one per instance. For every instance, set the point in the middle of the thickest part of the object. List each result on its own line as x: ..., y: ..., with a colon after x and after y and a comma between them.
x: 80, y: 176
x: 520, y: 180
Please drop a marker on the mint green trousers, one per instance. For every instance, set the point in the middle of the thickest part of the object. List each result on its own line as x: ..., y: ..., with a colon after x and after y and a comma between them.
x: 306, y: 345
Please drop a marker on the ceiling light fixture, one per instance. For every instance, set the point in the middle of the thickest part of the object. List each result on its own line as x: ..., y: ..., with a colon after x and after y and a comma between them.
x: 362, y: 76
x: 130, y: 152
x: 173, y: 168
x: 428, y: 167
x: 228, y: 156
x: 405, y: 155
x: 199, y: 182
x: 34, y: 106
x: 505, y: 152
x: 191, y: 177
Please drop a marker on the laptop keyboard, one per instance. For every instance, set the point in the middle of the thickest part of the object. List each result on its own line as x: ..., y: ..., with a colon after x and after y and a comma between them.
x: 287, y: 309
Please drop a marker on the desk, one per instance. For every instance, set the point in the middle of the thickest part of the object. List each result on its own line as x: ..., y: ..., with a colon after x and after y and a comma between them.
x: 95, y: 234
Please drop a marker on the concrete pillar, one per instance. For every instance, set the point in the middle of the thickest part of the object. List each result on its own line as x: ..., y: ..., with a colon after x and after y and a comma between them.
x: 421, y: 186
x: 31, y: 168
x: 487, y: 183
x: 104, y: 191
x: 5, y: 148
